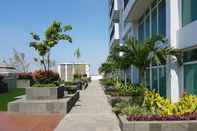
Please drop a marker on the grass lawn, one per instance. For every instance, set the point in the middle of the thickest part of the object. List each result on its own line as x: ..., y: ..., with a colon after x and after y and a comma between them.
x: 5, y: 98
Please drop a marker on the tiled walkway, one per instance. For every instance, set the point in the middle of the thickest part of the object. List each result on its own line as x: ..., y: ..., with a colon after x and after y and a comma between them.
x: 19, y: 122
x: 91, y: 113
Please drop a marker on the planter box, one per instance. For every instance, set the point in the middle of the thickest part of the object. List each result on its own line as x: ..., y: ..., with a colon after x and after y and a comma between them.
x: 44, y: 93
x: 38, y: 107
x: 157, y: 125
x: 23, y: 83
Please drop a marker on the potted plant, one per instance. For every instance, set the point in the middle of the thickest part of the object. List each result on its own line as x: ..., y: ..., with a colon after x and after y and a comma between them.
x: 46, y: 86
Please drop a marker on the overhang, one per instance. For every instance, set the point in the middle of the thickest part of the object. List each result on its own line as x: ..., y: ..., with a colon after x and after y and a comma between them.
x: 138, y: 9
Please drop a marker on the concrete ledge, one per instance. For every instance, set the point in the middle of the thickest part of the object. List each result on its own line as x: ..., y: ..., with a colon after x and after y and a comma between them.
x: 126, y: 125
x: 62, y: 106
x: 23, y: 83
x: 44, y: 93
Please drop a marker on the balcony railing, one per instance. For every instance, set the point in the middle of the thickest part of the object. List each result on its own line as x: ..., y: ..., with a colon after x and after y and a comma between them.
x: 125, y: 3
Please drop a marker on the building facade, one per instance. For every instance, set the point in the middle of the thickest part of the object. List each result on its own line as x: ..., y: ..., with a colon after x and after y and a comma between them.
x: 68, y: 70
x: 177, y: 21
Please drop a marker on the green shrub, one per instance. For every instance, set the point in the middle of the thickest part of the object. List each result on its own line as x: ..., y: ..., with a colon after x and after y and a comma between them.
x: 134, y: 110
x: 123, y: 90
x: 107, y: 82
x: 77, y: 76
x: 138, y: 93
x: 68, y: 83
x: 119, y: 106
x: 126, y: 108
x: 45, y: 77
x: 45, y: 85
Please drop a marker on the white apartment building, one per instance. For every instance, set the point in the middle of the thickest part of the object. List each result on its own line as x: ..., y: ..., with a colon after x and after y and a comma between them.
x: 67, y: 71
x: 177, y: 21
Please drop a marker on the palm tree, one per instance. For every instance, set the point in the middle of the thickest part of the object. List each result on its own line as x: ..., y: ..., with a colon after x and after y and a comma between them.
x: 77, y: 55
x: 115, y: 62
x: 141, y: 55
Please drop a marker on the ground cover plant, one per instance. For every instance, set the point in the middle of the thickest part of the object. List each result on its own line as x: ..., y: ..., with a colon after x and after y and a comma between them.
x: 5, y: 98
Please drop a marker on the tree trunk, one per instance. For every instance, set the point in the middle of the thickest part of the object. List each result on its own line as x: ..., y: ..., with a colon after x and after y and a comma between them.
x: 142, y: 77
x: 125, y: 77
x: 43, y: 63
x: 48, y: 60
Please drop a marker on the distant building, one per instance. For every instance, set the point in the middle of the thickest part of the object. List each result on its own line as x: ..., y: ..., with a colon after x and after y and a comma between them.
x: 9, y: 74
x: 68, y: 70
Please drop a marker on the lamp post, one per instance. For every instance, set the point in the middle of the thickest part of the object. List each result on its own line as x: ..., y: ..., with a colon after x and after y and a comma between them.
x: 121, y: 54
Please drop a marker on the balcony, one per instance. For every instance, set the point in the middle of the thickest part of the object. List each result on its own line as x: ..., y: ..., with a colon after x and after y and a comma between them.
x: 114, y: 35
x: 114, y: 11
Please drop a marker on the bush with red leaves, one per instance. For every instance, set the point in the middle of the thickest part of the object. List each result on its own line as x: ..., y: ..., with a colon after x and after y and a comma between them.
x: 45, y: 77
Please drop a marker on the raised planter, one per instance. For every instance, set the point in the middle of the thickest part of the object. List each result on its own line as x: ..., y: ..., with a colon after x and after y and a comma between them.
x: 157, y: 125
x: 23, y: 83
x: 44, y: 93
x: 37, y: 107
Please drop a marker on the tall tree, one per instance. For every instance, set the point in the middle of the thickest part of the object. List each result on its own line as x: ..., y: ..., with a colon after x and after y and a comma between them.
x: 77, y: 54
x: 53, y: 34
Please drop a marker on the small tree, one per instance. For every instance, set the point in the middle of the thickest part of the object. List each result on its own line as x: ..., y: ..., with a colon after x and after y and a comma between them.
x: 53, y: 34
x: 18, y: 60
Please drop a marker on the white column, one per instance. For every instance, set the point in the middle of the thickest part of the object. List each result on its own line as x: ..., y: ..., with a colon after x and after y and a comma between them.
x: 172, y: 26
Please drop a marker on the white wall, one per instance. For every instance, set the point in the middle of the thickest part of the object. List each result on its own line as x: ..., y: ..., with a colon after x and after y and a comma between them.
x: 187, y: 36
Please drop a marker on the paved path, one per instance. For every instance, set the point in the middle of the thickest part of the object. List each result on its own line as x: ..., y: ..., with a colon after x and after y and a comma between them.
x: 91, y: 113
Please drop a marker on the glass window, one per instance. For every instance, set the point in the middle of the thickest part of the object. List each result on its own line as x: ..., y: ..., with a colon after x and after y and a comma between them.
x: 154, y: 79
x: 154, y: 22
x: 190, y: 55
x: 162, y: 18
x: 162, y: 81
x: 189, y: 11
x: 141, y: 32
x: 147, y: 27
x: 190, y: 75
x: 147, y: 77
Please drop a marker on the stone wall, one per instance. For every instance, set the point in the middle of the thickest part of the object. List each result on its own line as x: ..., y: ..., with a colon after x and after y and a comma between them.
x: 23, y: 83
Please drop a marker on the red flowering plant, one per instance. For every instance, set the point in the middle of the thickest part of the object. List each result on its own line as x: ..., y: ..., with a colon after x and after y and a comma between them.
x: 45, y: 77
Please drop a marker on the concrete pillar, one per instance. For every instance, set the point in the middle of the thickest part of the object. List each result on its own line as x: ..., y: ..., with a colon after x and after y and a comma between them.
x: 172, y: 26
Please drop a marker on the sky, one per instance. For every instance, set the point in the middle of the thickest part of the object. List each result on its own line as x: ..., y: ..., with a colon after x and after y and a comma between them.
x: 18, y: 18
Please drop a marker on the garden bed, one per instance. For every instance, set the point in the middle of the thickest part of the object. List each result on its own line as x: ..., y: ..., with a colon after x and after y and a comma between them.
x: 37, y: 107
x: 157, y: 125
